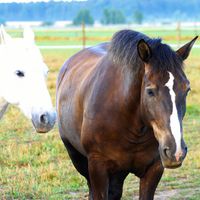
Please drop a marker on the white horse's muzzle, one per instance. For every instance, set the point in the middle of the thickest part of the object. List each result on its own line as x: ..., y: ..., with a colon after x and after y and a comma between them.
x: 44, y: 121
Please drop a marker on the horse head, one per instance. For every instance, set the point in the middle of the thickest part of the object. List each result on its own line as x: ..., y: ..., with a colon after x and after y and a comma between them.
x: 23, y: 79
x: 163, y: 97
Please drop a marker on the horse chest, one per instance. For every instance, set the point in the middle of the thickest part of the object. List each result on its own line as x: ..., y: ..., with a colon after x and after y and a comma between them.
x: 136, y: 157
x: 120, y: 153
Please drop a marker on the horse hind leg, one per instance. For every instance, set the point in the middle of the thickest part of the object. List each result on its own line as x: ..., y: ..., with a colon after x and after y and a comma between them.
x: 80, y: 162
x: 116, y: 183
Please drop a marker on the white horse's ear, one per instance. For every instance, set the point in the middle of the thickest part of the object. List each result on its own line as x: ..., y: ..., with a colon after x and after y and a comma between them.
x: 29, y: 35
x: 5, y: 38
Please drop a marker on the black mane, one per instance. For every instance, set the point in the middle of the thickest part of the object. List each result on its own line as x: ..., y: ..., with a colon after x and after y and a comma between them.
x: 123, y: 51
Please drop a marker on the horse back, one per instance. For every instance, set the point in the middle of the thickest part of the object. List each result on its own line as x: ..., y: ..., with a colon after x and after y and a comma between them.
x: 91, y: 53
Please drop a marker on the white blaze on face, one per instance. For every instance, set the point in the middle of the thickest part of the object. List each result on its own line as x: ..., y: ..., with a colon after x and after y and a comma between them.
x: 174, y: 121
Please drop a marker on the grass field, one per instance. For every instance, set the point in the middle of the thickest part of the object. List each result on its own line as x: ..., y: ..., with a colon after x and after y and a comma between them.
x: 97, y: 35
x: 35, y: 166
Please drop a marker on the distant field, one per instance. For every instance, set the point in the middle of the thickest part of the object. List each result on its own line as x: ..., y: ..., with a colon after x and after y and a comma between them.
x: 94, y: 36
x: 36, y: 166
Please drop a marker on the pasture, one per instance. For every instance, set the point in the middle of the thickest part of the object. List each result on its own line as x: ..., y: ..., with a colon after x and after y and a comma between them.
x: 36, y: 166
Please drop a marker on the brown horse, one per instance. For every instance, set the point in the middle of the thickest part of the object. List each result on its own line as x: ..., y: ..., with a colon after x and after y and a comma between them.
x: 120, y: 109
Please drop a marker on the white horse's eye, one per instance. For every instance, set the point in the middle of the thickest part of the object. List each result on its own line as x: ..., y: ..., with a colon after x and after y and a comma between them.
x: 19, y: 73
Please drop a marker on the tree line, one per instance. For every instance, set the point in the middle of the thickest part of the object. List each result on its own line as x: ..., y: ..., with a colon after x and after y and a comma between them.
x: 110, y: 16
x: 105, y: 11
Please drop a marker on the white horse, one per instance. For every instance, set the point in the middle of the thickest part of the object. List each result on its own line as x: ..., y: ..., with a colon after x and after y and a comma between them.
x: 23, y: 80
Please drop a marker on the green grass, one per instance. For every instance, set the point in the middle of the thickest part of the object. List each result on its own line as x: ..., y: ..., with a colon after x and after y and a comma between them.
x: 36, y: 166
x: 96, y: 35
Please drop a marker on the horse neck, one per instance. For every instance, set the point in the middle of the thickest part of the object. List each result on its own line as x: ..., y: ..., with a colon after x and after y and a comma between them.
x: 129, y: 88
x: 3, y: 106
x: 132, y: 83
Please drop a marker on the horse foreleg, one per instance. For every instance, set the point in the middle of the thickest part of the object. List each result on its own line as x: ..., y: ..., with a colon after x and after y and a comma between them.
x: 116, y: 185
x: 98, y: 178
x: 150, y: 180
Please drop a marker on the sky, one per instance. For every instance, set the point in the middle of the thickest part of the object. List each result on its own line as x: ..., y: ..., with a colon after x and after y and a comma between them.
x: 27, y: 1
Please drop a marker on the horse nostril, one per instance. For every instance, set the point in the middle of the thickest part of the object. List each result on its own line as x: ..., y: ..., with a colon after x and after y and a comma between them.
x: 44, y: 119
x: 166, y: 151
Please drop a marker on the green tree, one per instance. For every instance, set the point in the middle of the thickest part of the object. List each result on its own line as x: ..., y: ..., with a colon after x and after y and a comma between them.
x: 138, y: 17
x: 83, y: 16
x: 111, y: 16
x: 106, y: 19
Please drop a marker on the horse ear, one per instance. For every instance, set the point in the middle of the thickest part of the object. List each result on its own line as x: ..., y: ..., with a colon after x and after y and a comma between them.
x: 184, y: 51
x: 29, y: 34
x: 144, y: 50
x: 5, y: 38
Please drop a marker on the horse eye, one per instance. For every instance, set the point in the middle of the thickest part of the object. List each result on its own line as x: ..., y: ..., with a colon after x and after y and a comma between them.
x: 150, y: 92
x: 19, y: 73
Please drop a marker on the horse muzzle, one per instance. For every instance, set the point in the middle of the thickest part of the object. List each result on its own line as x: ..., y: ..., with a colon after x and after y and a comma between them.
x: 170, y: 159
x: 43, y: 122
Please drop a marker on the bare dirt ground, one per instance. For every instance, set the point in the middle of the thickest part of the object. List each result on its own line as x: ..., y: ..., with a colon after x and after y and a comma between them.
x: 179, y: 194
x: 173, y: 194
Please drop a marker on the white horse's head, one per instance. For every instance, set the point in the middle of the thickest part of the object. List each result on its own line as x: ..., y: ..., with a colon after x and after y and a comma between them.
x: 23, y: 79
